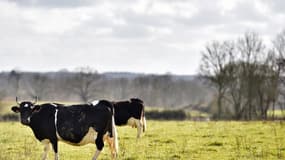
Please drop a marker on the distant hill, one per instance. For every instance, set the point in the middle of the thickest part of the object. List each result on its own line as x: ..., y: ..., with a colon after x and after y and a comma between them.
x: 132, y: 75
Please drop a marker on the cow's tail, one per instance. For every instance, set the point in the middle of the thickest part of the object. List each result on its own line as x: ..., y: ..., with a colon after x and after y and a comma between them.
x: 114, y: 132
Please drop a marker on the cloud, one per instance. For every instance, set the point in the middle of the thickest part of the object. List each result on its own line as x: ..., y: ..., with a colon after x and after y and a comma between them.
x: 276, y: 5
x: 249, y: 11
x: 53, y: 3
x: 143, y: 35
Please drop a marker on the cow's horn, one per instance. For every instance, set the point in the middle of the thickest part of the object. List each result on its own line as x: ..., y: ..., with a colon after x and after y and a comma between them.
x: 17, y: 101
x: 36, y: 100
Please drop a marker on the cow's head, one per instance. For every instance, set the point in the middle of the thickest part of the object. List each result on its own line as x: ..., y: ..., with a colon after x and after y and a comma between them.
x: 26, y: 109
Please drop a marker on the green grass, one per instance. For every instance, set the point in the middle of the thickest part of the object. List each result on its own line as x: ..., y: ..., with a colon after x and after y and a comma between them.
x: 5, y: 106
x: 164, y: 140
x: 276, y: 113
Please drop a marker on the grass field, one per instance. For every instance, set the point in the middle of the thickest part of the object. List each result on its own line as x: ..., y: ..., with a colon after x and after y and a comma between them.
x: 164, y: 140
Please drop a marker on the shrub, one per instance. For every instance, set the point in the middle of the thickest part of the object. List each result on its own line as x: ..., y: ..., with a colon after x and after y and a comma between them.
x: 9, y: 117
x: 166, y: 115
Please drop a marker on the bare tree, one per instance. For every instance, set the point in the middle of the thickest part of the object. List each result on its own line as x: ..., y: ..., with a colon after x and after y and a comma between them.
x: 253, y: 75
x: 84, y: 83
x: 279, y: 49
x: 234, y: 94
x: 245, y: 75
x: 251, y: 50
x: 14, y: 79
x: 270, y: 86
x: 38, y: 85
x: 279, y: 45
x: 212, y: 68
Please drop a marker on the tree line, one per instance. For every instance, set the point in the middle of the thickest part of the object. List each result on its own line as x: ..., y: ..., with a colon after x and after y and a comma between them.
x: 247, y: 75
x: 86, y: 84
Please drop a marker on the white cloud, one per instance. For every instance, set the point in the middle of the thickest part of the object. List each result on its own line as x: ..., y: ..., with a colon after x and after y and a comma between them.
x: 52, y: 21
x: 128, y: 35
x: 227, y: 5
x: 53, y: 3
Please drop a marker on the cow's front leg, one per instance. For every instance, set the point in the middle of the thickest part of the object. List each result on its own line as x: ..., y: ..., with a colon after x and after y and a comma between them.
x: 99, y: 145
x: 54, y: 146
x: 46, y: 143
x: 96, y: 154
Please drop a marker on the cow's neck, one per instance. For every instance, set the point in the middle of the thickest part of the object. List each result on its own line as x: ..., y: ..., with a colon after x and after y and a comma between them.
x: 42, y: 121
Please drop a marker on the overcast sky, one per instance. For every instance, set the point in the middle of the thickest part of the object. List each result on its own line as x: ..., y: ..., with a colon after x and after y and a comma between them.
x: 148, y: 36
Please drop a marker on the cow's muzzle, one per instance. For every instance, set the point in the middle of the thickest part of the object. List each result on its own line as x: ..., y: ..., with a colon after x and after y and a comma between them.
x: 25, y: 121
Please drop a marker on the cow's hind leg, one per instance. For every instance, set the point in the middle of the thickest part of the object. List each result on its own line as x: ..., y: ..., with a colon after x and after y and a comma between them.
x: 139, y: 125
x: 99, y: 145
x: 144, y: 124
x: 46, y: 144
x: 110, y: 141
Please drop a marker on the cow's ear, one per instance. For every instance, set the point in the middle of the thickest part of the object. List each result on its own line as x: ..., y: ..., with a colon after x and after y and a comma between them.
x: 36, y: 108
x: 15, y: 109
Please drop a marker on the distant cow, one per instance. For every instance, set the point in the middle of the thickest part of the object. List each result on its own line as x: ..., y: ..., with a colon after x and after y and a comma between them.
x: 130, y: 113
x: 76, y: 124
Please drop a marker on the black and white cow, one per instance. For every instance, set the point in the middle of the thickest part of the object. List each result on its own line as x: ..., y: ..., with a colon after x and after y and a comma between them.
x: 130, y: 113
x: 76, y: 125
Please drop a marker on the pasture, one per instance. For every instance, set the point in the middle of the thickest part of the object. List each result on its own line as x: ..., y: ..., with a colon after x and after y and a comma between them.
x: 164, y: 140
